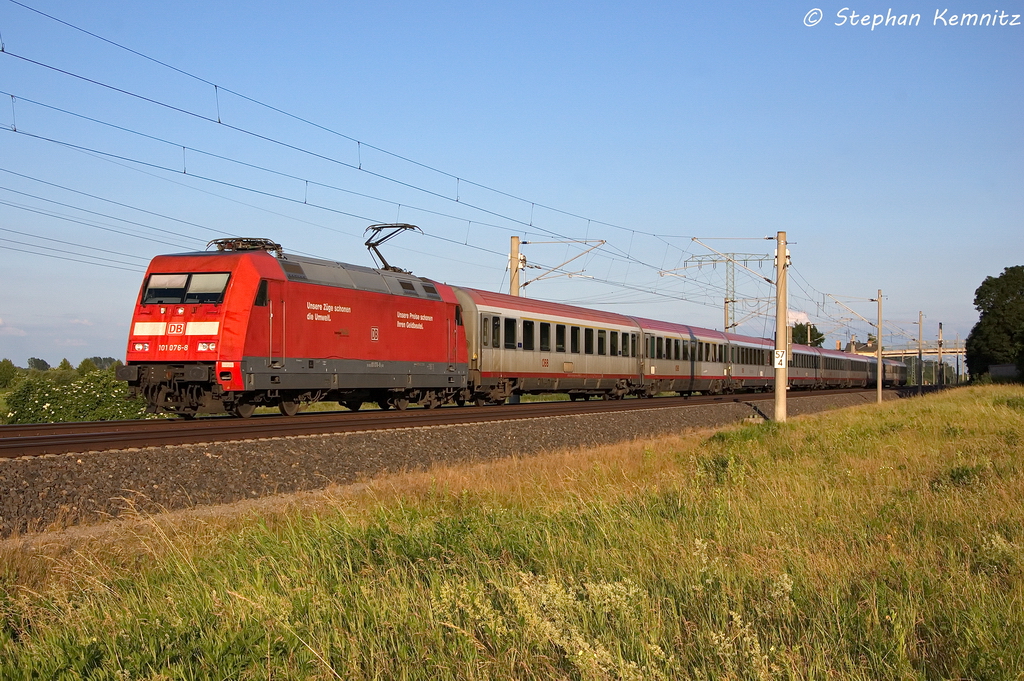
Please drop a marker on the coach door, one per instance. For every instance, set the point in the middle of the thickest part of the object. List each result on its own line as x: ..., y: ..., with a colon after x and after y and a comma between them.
x: 277, y: 325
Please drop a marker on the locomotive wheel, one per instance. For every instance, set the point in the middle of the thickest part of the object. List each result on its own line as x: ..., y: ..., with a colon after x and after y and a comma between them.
x: 573, y: 397
x: 244, y: 409
x: 288, y: 407
x: 460, y: 402
x: 353, y: 405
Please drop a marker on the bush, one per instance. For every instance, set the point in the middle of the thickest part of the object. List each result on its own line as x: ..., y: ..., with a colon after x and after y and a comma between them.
x: 97, y: 396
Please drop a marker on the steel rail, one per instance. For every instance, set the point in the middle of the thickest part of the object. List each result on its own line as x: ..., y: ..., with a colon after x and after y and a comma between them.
x: 63, y: 438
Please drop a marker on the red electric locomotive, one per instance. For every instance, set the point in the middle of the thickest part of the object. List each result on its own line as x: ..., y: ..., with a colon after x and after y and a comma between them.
x: 234, y: 328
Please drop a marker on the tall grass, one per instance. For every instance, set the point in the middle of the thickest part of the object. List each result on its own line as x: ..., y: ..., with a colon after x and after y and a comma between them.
x: 878, y: 542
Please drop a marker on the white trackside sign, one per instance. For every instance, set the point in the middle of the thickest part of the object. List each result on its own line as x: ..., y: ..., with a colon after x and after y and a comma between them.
x: 780, y: 359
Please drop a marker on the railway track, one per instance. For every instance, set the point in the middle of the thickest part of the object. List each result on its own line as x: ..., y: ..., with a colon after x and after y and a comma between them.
x: 62, y: 438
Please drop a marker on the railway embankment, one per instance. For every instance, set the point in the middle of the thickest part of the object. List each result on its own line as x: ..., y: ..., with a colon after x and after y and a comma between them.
x: 67, y: 489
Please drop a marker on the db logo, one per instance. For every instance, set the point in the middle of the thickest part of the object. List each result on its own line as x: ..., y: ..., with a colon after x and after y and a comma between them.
x: 544, y: 362
x: 175, y: 329
x: 374, y: 333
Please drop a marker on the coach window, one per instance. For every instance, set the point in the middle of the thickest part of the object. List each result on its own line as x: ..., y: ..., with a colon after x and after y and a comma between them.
x: 510, y: 333
x: 528, y: 334
x: 660, y: 347
x: 613, y: 344
x: 676, y: 343
x: 261, y: 294
x: 485, y: 336
x: 602, y: 344
x: 588, y: 341
x: 559, y: 337
x: 496, y: 332
x: 545, y: 337
x: 574, y: 339
x: 632, y: 345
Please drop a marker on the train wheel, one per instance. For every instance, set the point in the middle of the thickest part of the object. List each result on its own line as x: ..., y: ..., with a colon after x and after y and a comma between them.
x: 460, y: 402
x: 480, y: 402
x: 288, y: 407
x: 573, y: 397
x: 400, y: 403
x: 384, y: 405
x: 244, y: 409
x: 353, y: 405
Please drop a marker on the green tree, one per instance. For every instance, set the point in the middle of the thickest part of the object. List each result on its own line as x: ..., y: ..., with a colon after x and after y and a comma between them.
x: 87, y: 366
x: 8, y: 373
x: 65, y: 365
x: 38, y: 364
x: 998, y: 337
x: 800, y: 332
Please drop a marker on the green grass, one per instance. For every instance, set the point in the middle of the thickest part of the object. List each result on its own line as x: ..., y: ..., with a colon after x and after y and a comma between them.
x: 882, y: 542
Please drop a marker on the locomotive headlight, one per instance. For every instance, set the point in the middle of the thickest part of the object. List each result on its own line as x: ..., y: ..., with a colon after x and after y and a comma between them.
x: 141, y: 347
x: 181, y: 310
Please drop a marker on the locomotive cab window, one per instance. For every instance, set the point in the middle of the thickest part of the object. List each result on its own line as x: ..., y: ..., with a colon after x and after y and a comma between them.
x: 200, y: 288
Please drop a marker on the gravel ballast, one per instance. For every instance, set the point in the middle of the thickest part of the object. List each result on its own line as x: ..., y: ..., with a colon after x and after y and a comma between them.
x: 67, y: 489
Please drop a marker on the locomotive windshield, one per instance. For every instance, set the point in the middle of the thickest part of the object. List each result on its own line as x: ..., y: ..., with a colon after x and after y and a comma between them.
x: 171, y: 289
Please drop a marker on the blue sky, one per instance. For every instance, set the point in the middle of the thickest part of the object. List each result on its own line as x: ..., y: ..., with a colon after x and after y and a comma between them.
x: 893, y: 157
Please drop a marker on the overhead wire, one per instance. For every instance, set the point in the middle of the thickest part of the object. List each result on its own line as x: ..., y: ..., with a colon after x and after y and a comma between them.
x: 218, y: 87
x: 627, y: 254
